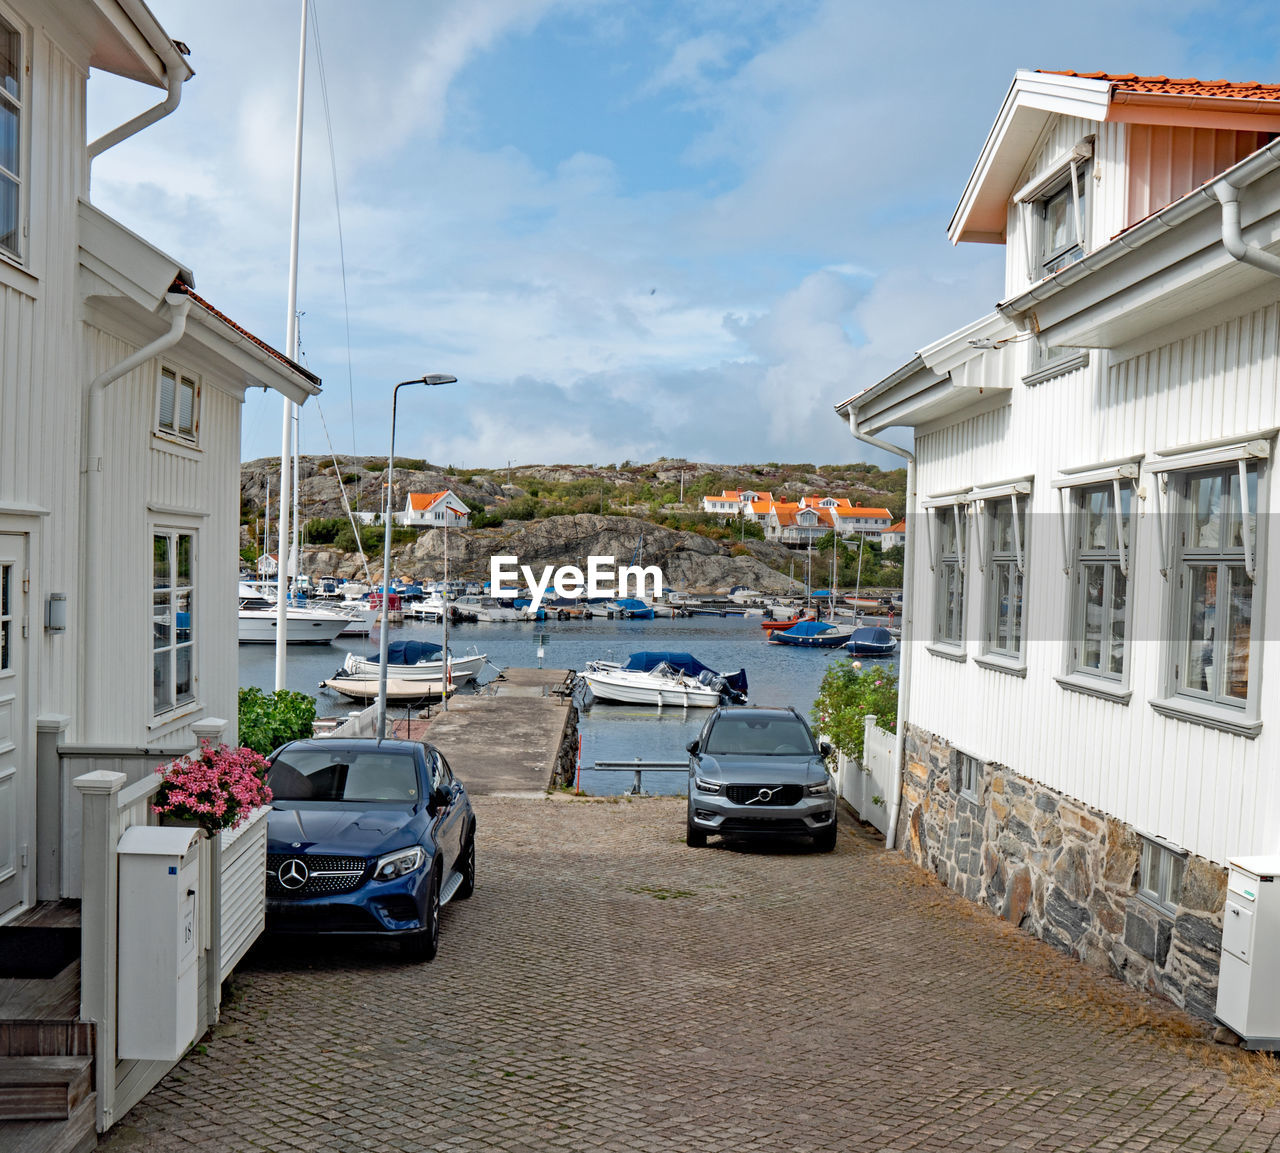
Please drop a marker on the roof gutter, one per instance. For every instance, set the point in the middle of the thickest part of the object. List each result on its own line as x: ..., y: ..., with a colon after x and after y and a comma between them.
x: 176, y: 72
x: 1248, y: 170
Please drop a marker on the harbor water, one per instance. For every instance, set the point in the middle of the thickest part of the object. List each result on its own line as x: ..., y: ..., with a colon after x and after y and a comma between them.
x: 776, y: 675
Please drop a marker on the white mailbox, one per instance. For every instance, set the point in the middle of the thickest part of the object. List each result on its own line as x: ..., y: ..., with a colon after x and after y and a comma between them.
x: 1248, y: 992
x: 158, y: 988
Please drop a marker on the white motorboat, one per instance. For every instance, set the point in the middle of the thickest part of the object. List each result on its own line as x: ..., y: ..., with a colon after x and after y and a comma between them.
x: 663, y: 678
x: 479, y: 608
x: 398, y: 689
x: 416, y: 660
x: 303, y: 626
x: 429, y: 608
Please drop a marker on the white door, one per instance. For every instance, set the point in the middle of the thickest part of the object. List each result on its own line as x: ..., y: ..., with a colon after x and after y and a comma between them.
x: 17, y: 773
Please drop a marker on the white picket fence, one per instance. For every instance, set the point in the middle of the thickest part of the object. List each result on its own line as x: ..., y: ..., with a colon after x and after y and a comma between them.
x: 867, y: 786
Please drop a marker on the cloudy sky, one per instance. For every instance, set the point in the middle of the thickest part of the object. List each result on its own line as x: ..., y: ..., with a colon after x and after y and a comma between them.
x: 631, y: 228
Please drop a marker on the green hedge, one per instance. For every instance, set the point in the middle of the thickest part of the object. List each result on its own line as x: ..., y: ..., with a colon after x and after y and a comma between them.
x: 267, y: 722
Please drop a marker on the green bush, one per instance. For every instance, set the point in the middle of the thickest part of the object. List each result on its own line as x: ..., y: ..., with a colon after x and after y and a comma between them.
x: 325, y: 530
x: 267, y: 722
x: 849, y: 694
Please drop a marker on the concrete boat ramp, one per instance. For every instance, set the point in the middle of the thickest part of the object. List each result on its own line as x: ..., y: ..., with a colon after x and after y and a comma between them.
x: 507, y: 740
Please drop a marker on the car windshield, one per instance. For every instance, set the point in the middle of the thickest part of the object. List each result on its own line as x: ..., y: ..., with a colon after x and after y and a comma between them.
x: 759, y: 736
x: 343, y: 775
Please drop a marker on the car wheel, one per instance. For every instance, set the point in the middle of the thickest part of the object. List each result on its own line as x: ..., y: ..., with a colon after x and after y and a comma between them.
x: 422, y: 946
x: 694, y: 837
x: 825, y: 841
x: 467, y: 867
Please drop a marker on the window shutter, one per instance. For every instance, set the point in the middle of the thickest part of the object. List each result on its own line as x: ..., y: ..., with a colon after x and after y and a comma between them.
x: 168, y: 386
x: 186, y: 407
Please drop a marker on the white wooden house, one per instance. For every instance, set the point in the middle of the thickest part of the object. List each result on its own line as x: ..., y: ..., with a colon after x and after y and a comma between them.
x: 434, y: 510
x: 1092, y: 719
x: 120, y: 406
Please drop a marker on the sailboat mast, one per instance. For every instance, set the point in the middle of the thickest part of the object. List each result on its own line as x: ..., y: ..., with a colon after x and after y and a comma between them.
x: 291, y: 343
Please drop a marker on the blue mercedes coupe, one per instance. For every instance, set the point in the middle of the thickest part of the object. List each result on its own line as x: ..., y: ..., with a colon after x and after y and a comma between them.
x: 367, y: 838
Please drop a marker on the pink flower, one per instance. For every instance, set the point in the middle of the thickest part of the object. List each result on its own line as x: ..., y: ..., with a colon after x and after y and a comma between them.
x: 218, y: 789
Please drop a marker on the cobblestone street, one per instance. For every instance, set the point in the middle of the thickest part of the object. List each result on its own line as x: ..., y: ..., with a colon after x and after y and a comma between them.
x: 610, y: 988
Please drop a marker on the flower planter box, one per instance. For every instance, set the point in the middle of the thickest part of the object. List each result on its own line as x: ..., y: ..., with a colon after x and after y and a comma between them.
x: 242, y: 905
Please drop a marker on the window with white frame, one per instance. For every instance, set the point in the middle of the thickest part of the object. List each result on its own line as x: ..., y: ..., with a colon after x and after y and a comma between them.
x: 11, y: 110
x: 178, y: 405
x: 1100, y: 526
x: 1005, y: 533
x: 1212, y: 576
x: 1061, y: 215
x: 969, y: 775
x: 948, y: 616
x: 172, y: 618
x: 1160, y: 874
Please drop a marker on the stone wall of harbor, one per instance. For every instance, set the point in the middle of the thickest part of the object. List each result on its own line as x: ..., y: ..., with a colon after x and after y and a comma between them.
x: 1062, y: 871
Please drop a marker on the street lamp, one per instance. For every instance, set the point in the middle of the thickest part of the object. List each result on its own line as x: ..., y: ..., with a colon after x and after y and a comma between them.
x: 431, y: 380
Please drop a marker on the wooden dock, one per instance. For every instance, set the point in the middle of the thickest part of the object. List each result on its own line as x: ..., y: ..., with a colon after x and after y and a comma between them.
x: 508, y: 739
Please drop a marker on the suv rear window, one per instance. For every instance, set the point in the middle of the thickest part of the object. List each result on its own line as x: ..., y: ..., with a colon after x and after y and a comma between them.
x: 760, y: 736
x: 321, y: 775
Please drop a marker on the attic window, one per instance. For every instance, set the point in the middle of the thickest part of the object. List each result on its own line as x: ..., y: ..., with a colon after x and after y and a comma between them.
x: 1056, y: 213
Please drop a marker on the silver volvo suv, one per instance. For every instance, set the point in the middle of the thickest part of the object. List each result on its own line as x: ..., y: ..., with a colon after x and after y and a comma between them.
x: 760, y: 772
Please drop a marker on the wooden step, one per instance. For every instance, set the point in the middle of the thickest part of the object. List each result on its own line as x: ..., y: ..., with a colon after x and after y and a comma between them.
x: 43, y: 1088
x: 77, y: 1134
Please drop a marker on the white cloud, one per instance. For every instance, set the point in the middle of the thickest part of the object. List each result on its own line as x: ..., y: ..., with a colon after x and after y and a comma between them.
x: 787, y: 252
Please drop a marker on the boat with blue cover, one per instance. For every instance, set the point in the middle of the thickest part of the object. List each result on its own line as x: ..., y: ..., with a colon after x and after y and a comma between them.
x: 812, y: 635
x: 415, y: 660
x: 871, y: 642
x: 664, y: 678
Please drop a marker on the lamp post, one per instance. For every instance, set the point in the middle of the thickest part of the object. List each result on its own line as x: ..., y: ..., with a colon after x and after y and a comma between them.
x: 431, y: 380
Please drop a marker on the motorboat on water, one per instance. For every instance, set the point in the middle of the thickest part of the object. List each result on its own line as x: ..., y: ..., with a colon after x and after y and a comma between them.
x: 782, y: 626
x: 628, y: 608
x: 871, y: 642
x: 664, y: 678
x: 415, y: 660
x: 303, y: 626
x: 812, y: 635
x: 404, y: 690
x: 487, y: 609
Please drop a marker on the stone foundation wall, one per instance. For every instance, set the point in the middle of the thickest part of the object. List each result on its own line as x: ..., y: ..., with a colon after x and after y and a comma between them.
x: 1061, y: 870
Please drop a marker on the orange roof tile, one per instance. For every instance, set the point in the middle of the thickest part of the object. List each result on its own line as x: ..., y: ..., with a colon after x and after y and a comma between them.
x: 858, y: 510
x: 901, y: 526
x: 1167, y: 86
x: 181, y: 286
x: 421, y: 501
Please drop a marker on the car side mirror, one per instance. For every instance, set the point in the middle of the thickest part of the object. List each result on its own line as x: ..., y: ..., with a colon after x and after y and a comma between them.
x: 440, y: 798
x: 826, y: 748
x: 692, y: 747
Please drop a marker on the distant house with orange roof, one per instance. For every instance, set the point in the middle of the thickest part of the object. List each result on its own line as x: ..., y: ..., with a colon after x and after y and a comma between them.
x: 895, y: 536
x: 795, y: 524
x: 732, y: 502
x: 434, y: 510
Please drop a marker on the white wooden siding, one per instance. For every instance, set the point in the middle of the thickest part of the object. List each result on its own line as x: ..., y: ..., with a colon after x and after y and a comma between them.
x: 148, y: 482
x: 1209, y: 791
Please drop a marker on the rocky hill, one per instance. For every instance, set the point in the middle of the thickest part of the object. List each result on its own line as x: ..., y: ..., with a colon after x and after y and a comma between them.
x: 689, y: 562
x: 558, y: 515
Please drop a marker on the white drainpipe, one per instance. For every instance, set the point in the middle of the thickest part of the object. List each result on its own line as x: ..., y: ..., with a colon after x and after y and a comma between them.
x: 904, y: 640
x: 176, y: 71
x: 90, y: 598
x: 1232, y: 239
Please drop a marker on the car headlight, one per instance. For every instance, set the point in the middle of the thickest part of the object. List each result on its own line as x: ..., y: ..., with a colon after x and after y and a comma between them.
x: 819, y: 790
x: 399, y: 864
x: 705, y: 786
